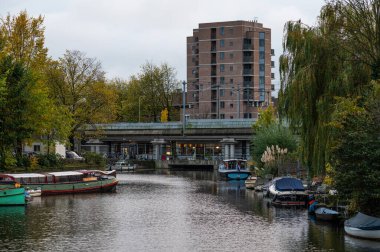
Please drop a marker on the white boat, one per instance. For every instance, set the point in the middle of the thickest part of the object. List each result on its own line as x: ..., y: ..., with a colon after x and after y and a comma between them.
x: 250, y: 182
x: 234, y: 169
x: 34, y: 192
x: 122, y: 165
x: 287, y: 191
x: 363, y: 226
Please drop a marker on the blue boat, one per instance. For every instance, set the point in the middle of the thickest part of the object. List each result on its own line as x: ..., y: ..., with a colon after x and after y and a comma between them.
x: 12, y: 196
x: 234, y: 169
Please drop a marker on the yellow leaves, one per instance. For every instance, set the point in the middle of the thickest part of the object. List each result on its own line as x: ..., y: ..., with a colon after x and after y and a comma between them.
x: 266, y: 117
x: 24, y: 39
x: 164, y: 115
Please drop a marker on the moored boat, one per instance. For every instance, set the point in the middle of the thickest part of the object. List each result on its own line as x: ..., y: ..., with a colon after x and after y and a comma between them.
x: 234, y: 169
x: 287, y: 191
x: 326, y: 214
x: 363, y: 226
x: 250, y: 182
x: 12, y: 196
x: 67, y: 182
x: 122, y: 165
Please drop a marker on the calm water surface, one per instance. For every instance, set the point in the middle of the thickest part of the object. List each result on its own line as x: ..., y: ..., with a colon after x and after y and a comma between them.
x: 171, y: 211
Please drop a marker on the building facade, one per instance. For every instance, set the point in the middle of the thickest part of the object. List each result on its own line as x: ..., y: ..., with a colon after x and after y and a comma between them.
x: 228, y: 70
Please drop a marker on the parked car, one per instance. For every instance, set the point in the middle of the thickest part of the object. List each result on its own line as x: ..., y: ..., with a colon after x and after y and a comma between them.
x: 74, y: 155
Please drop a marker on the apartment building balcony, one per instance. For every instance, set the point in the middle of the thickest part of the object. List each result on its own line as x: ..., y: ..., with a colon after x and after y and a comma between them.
x: 247, y: 47
x: 247, y: 59
x: 247, y: 83
x: 248, y: 71
x: 247, y: 97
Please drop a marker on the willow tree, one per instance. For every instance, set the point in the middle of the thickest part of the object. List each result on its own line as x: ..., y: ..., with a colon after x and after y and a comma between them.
x: 318, y: 64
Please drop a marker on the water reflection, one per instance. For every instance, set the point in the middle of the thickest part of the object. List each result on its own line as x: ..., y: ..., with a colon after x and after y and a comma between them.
x: 169, y: 211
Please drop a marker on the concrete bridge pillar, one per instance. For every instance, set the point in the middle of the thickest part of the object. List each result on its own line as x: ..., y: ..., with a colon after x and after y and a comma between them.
x: 158, y: 145
x: 228, y: 148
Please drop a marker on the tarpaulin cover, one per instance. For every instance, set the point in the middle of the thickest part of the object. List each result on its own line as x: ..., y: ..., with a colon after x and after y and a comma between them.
x: 289, y: 184
x: 363, y: 221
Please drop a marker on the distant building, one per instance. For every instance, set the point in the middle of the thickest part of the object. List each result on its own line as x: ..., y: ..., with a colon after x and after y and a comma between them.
x: 228, y: 70
x: 39, y: 147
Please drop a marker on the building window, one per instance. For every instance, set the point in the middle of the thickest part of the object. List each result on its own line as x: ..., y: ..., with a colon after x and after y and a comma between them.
x: 231, y: 55
x: 222, y: 80
x: 222, y: 104
x: 221, y: 29
x: 261, y: 35
x: 231, y: 117
x: 247, y: 115
x: 262, y: 67
x: 36, y: 148
x: 261, y: 42
x: 222, y: 68
x: 261, y: 80
x: 221, y: 92
x: 231, y: 43
x: 221, y: 43
x: 231, y: 105
x: 231, y: 81
x: 262, y: 55
x: 221, y: 116
x: 231, y: 31
x: 231, y: 68
x: 221, y: 55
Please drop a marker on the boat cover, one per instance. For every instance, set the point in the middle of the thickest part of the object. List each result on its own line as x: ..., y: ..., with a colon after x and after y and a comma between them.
x: 324, y: 210
x: 364, y: 222
x: 289, y: 184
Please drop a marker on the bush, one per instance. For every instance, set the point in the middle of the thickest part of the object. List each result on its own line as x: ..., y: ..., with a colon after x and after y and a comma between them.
x: 93, y: 158
x: 49, y: 160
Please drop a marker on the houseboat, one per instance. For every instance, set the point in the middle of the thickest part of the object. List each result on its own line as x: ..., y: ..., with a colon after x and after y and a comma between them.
x: 234, y: 169
x: 67, y: 182
x: 287, y: 191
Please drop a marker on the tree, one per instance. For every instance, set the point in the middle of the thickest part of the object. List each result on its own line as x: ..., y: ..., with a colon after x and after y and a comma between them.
x: 24, y: 108
x: 78, y: 84
x: 356, y: 152
x: 314, y: 69
x: 24, y: 39
x: 267, y: 117
x: 158, y: 84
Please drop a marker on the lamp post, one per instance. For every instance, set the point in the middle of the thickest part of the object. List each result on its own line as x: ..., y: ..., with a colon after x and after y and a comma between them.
x: 183, y: 107
x: 238, y: 101
x: 139, y: 107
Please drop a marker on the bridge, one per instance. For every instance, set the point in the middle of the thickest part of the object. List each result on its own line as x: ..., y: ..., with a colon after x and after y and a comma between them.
x: 204, y: 139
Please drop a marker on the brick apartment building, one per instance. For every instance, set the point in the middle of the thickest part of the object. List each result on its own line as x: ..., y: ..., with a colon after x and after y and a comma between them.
x: 228, y: 70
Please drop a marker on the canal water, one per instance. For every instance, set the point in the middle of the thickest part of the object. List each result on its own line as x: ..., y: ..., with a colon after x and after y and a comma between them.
x: 168, y: 211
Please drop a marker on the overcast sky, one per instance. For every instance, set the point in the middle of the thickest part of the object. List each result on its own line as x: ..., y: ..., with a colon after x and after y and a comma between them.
x: 125, y: 34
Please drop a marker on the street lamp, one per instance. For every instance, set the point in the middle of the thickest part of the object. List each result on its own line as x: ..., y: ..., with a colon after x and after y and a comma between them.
x: 139, y: 107
x: 183, y: 107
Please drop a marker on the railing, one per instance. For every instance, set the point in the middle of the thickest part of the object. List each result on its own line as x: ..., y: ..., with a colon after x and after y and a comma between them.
x: 247, y: 71
x: 195, y: 124
x: 248, y: 59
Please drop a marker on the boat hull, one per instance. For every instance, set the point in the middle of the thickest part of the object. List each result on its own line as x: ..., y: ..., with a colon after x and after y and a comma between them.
x: 106, y: 185
x: 234, y: 175
x: 12, y: 197
x: 360, y: 233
